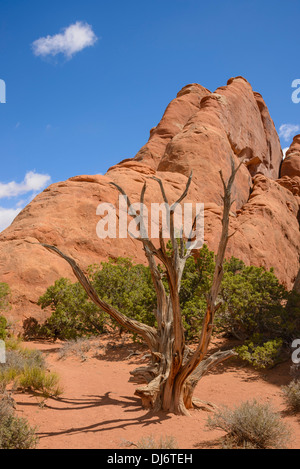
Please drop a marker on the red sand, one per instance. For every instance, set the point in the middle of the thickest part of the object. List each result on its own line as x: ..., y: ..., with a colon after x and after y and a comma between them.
x: 98, y: 408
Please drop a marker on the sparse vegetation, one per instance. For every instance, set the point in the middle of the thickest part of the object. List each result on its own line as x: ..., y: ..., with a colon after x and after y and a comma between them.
x: 4, y: 306
x: 15, y: 433
x: 150, y: 442
x: 3, y: 328
x: 251, y: 425
x: 4, y: 297
x: 292, y: 395
x: 26, y: 369
x: 40, y: 380
x: 78, y: 348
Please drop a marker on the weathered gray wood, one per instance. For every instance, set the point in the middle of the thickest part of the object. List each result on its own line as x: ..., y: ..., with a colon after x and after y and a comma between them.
x: 170, y: 380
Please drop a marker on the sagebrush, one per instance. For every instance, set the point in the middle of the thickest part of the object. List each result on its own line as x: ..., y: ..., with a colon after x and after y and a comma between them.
x: 292, y: 395
x: 252, y: 424
x: 15, y: 432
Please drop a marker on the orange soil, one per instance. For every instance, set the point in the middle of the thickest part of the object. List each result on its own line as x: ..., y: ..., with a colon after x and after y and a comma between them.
x: 98, y: 408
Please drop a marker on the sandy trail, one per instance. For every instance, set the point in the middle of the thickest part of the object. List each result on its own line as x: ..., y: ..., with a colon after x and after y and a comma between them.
x: 98, y: 408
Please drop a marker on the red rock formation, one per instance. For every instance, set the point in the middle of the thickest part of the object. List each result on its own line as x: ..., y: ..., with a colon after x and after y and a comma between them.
x: 177, y: 114
x: 291, y: 164
x: 199, y: 131
x: 290, y: 168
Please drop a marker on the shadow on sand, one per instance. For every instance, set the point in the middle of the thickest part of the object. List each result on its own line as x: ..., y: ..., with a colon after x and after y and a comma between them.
x: 131, y: 404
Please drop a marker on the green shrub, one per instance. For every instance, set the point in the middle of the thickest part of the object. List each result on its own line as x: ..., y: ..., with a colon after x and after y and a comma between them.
x: 119, y: 282
x: 292, y: 395
x: 261, y: 356
x: 73, y: 314
x: 251, y: 425
x: 7, y: 376
x: 37, y: 379
x: 31, y: 328
x: 13, y: 343
x: 3, y: 328
x: 196, y: 282
x: 4, y: 296
x: 252, y: 301
x: 4, y: 306
x: 127, y: 287
x: 17, y: 359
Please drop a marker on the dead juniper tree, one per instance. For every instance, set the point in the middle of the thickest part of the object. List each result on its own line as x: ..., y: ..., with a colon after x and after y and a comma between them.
x: 169, y: 381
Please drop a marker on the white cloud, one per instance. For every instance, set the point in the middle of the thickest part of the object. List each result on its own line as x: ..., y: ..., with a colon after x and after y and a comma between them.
x: 33, y: 182
x: 7, y: 215
x: 71, y: 40
x: 286, y: 131
x: 284, y: 150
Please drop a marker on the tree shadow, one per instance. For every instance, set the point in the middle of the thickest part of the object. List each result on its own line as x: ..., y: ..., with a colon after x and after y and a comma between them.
x: 131, y: 404
x: 49, y: 342
x: 278, y: 375
x: 90, y: 401
x: 51, y: 351
x: 290, y: 413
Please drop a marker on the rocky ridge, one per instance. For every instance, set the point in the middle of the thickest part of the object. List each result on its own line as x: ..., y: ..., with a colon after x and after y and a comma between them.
x: 198, y: 132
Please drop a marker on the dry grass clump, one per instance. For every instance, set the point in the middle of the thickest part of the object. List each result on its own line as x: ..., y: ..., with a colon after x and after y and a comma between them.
x: 40, y: 380
x: 78, y: 348
x: 292, y: 395
x: 149, y: 442
x: 15, y: 432
x: 26, y: 369
x: 251, y: 425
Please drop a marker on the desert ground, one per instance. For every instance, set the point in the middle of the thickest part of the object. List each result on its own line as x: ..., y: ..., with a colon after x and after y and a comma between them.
x: 98, y: 408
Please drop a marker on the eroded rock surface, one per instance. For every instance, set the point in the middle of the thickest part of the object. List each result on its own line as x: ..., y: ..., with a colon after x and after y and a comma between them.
x: 199, y: 132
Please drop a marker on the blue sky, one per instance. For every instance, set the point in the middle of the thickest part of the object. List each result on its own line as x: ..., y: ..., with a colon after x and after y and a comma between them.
x: 79, y: 113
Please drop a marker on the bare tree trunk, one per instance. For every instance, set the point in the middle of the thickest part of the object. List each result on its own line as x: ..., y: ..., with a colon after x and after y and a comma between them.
x: 171, y: 378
